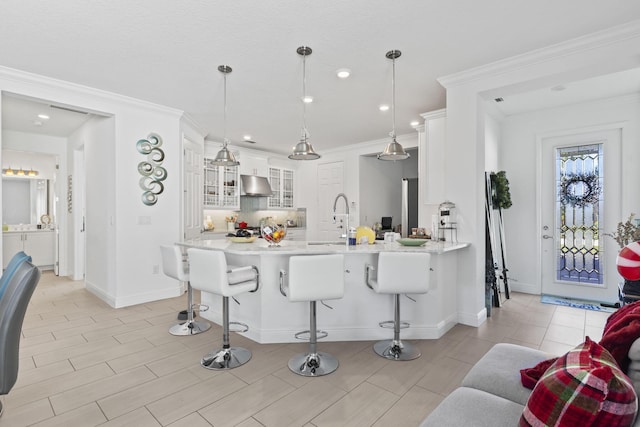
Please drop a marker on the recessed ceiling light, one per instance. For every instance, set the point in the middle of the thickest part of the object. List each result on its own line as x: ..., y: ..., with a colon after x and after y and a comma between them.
x: 246, y: 137
x: 384, y: 107
x: 414, y: 123
x: 343, y: 73
x: 43, y: 116
x: 307, y: 99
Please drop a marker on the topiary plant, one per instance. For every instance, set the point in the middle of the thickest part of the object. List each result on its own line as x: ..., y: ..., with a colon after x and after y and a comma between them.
x: 501, y: 196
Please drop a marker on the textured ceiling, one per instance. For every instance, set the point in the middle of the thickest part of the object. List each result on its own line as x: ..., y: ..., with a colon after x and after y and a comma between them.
x: 168, y: 51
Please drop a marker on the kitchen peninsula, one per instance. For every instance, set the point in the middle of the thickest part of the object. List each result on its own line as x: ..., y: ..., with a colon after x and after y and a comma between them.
x: 273, y: 319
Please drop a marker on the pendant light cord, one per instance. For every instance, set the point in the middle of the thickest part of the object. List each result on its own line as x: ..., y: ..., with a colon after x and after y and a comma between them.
x: 393, y: 98
x: 304, y: 94
x: 224, y: 115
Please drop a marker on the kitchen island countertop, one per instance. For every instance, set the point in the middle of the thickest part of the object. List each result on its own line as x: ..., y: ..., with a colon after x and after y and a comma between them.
x: 289, y: 247
x: 273, y: 319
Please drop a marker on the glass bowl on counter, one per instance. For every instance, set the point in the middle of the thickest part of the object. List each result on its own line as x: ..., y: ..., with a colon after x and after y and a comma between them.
x: 273, y: 233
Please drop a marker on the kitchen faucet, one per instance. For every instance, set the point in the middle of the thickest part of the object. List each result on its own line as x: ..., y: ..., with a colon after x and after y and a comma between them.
x: 346, y: 203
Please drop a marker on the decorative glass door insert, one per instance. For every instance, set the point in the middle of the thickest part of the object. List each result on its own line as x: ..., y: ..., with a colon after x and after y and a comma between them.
x: 579, y: 213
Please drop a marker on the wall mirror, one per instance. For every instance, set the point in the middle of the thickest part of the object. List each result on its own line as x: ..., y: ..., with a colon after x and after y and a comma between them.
x: 25, y: 200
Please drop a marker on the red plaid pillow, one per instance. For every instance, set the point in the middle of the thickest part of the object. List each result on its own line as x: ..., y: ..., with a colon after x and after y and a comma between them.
x: 585, y: 387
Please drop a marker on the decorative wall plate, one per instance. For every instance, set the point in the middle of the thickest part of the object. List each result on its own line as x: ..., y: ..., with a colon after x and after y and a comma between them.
x: 45, y: 219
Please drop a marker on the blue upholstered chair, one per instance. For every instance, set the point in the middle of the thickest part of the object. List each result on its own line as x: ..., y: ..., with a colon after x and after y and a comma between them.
x: 13, y: 305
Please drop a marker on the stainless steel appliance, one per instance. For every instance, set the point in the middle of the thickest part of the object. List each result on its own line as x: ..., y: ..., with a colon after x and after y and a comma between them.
x: 409, y: 217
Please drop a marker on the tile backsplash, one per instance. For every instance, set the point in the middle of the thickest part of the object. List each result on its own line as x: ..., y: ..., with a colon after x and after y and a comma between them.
x: 252, y: 214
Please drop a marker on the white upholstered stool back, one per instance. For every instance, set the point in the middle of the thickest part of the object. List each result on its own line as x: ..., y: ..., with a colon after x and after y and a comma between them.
x: 399, y: 273
x: 175, y: 266
x: 316, y: 277
x: 172, y: 263
x: 210, y: 273
x: 402, y: 273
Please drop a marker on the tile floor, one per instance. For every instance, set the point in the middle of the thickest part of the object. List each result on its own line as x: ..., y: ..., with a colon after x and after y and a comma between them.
x: 83, y: 363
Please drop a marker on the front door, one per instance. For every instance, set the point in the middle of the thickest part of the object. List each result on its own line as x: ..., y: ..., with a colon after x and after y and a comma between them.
x: 580, y: 200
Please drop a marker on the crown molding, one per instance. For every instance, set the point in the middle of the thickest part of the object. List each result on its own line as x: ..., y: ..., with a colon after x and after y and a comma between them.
x: 436, y: 114
x: 31, y: 79
x: 606, y: 37
x: 190, y: 121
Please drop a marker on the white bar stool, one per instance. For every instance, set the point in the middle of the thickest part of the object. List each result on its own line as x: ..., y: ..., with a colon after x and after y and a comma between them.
x: 399, y: 273
x: 175, y: 267
x: 210, y: 273
x: 313, y: 278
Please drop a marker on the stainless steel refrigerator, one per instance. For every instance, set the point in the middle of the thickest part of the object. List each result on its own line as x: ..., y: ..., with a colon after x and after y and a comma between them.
x: 409, y: 205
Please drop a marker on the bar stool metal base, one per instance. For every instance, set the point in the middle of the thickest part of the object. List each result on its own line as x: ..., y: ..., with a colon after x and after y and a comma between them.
x: 226, y: 358
x: 396, y: 350
x: 313, y: 364
x: 189, y: 328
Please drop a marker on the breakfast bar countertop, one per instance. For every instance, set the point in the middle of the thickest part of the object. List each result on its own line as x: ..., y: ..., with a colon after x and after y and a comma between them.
x: 290, y: 247
x: 355, y: 316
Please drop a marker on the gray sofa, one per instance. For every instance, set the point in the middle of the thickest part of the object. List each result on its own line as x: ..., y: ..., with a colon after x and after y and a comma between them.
x: 491, y: 395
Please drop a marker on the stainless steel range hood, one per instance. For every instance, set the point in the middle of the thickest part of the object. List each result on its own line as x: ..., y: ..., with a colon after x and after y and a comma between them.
x: 257, y: 186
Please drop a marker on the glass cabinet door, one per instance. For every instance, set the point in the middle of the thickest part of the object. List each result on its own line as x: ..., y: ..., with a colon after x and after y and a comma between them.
x: 221, y: 187
x: 211, y: 184
x: 287, y: 188
x: 281, y: 181
x: 274, y: 180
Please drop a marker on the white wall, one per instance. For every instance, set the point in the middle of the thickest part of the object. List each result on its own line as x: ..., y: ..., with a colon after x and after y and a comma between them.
x: 517, y: 150
x: 350, y: 156
x: 128, y: 231
x: 45, y: 152
x: 492, y: 147
x: 605, y: 52
x: 380, y: 190
x: 380, y: 187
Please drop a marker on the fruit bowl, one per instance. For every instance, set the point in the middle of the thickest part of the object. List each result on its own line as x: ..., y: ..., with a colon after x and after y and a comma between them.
x: 273, y: 233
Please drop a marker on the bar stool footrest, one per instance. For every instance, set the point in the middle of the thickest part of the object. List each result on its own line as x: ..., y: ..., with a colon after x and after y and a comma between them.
x: 313, y: 364
x: 243, y: 327
x: 226, y: 358
x: 389, y: 324
x: 306, y: 335
x: 200, y: 307
x: 396, y: 350
x: 189, y: 328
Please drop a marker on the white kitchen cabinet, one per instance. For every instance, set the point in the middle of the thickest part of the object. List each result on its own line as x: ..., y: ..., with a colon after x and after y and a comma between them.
x: 39, y: 244
x: 433, y: 139
x: 282, y: 185
x: 253, y: 165
x: 221, y: 186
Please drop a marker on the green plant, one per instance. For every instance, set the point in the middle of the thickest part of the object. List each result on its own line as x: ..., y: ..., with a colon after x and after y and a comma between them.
x: 501, y: 195
x: 626, y: 232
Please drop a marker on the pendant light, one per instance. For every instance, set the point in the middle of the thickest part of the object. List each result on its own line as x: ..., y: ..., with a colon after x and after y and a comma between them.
x: 224, y: 156
x: 393, y: 151
x: 303, y: 149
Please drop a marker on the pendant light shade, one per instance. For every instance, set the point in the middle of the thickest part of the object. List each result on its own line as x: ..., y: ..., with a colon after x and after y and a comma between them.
x: 393, y: 151
x: 224, y: 156
x: 303, y: 149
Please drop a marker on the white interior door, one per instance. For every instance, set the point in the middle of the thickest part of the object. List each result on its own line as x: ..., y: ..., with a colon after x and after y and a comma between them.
x: 76, y: 206
x: 577, y: 261
x: 192, y: 189
x: 330, y: 184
